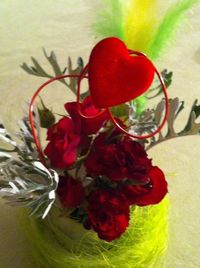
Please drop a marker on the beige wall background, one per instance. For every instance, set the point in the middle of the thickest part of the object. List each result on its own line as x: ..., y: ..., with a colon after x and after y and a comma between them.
x: 65, y: 26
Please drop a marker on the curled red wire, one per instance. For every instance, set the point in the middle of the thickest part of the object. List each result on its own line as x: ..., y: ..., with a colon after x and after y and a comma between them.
x: 80, y: 77
x: 31, y: 110
x: 163, y: 121
x: 164, y: 89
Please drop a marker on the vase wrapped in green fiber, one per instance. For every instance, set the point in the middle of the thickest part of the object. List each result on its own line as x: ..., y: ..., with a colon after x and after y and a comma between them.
x: 61, y: 242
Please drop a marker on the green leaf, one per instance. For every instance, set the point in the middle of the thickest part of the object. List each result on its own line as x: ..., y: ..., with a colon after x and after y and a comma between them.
x: 47, y: 118
x: 194, y: 114
x: 139, y: 104
x: 121, y: 111
x: 167, y: 77
x: 39, y: 69
x: 80, y: 62
x: 53, y: 61
x: 78, y: 214
x: 29, y: 70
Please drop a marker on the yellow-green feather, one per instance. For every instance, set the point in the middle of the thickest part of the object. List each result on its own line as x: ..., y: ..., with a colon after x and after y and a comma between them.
x: 140, y: 23
x: 110, y: 21
x: 167, y: 28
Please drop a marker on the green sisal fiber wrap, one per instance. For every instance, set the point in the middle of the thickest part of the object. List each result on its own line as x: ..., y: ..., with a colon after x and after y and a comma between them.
x: 57, y: 244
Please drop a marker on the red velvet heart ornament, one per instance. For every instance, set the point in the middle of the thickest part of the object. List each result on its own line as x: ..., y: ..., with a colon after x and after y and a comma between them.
x: 114, y: 76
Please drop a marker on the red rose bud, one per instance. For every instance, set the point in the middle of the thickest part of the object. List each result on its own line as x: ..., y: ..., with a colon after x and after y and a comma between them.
x: 63, y: 143
x: 108, y: 214
x: 88, y: 125
x: 70, y: 191
x: 118, y: 159
x: 149, y: 194
x: 47, y: 118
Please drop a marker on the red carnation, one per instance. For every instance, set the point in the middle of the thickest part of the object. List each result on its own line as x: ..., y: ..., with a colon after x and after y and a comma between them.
x: 118, y: 159
x: 63, y: 143
x: 88, y: 125
x: 70, y: 192
x: 108, y: 213
x: 151, y: 193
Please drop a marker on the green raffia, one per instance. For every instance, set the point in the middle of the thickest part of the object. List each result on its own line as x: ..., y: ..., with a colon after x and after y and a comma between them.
x: 110, y: 21
x: 142, y: 245
x: 167, y: 28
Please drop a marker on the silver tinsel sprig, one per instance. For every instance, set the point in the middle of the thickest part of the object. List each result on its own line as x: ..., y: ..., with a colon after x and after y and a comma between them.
x: 25, y: 181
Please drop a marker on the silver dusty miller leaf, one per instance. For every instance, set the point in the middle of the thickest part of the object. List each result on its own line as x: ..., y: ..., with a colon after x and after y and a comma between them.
x: 24, y: 181
x: 142, y: 124
x: 150, y: 119
x: 38, y: 70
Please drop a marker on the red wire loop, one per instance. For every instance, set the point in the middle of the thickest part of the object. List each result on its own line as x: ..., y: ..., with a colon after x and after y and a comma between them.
x: 80, y: 77
x: 31, y: 111
x: 163, y: 121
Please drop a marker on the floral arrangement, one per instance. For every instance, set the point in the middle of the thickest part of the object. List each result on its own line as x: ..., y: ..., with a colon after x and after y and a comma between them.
x: 94, y: 169
x: 96, y: 165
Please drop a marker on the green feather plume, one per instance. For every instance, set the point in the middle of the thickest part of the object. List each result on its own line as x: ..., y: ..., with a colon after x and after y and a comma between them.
x: 110, y: 20
x: 168, y: 26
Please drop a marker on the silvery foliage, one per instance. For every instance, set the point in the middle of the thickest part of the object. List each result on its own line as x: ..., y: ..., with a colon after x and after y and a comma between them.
x: 38, y: 70
x: 24, y: 180
x: 150, y: 119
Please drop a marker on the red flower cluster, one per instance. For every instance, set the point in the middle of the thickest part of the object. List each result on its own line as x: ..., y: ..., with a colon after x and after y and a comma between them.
x: 63, y: 145
x: 124, y: 162
x: 88, y: 126
x: 66, y: 136
x: 148, y: 194
x: 121, y: 172
x: 70, y: 191
x: 108, y: 209
x: 118, y: 159
x: 108, y: 213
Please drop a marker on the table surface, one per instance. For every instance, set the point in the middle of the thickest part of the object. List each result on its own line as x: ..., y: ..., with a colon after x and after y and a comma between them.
x: 65, y: 26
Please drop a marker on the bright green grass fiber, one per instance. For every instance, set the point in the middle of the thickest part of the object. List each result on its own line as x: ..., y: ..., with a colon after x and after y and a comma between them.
x: 142, y: 245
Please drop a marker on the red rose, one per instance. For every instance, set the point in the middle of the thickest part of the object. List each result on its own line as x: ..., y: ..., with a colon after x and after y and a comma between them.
x: 70, y: 191
x: 63, y: 145
x: 149, y: 194
x: 118, y: 159
x: 108, y: 213
x: 88, y: 125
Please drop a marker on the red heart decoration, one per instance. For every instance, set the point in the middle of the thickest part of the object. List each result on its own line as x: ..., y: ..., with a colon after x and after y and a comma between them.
x: 114, y: 76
